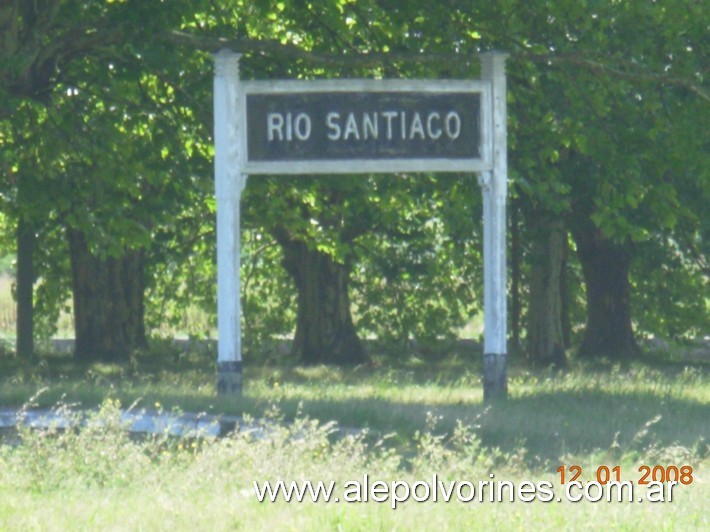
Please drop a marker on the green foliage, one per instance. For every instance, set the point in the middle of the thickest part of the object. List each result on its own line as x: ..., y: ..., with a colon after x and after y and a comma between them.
x: 670, y: 291
x: 6, y: 264
x: 268, y: 293
x: 421, y: 261
x: 106, y: 128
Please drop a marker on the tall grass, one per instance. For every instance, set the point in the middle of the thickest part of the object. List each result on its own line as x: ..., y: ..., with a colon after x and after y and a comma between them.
x: 420, y: 419
x: 552, y: 414
x: 98, y: 477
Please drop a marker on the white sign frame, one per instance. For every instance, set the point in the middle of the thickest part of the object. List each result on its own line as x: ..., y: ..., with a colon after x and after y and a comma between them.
x: 371, y: 166
x: 232, y: 170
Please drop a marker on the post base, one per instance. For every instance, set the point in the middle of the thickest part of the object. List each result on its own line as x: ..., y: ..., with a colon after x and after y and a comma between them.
x: 495, y: 377
x: 229, y: 378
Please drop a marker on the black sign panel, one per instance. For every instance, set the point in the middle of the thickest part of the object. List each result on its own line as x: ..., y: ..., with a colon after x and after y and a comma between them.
x: 343, y: 125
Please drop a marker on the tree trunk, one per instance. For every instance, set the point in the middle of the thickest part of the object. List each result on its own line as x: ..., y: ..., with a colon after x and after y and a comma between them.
x: 25, y: 278
x: 545, y: 308
x: 605, y: 266
x: 325, y: 333
x: 108, y: 302
x: 515, y: 277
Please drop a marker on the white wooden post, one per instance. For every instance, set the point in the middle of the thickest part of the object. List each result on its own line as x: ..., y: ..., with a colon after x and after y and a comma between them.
x: 229, y: 183
x: 494, y: 185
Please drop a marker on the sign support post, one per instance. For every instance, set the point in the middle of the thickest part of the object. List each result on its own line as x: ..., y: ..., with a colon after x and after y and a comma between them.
x: 360, y: 126
x: 494, y: 185
x: 229, y: 183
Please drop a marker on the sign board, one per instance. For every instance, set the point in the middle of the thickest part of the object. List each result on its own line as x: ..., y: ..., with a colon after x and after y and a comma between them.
x: 360, y: 126
x: 365, y: 126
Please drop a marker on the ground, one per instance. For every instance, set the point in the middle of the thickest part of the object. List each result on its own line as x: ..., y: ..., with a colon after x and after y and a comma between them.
x: 423, y: 417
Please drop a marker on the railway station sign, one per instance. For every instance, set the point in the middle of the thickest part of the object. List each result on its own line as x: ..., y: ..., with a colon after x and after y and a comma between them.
x: 356, y: 126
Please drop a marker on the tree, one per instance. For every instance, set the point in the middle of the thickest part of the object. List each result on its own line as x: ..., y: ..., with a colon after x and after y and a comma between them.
x: 615, y: 78
x: 125, y: 190
x: 37, y: 45
x: 321, y: 272
x: 93, y: 77
x: 546, y: 342
x: 569, y: 84
x: 321, y: 224
x: 585, y: 119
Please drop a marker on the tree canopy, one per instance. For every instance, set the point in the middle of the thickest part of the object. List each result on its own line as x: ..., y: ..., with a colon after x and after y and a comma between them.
x: 105, y: 143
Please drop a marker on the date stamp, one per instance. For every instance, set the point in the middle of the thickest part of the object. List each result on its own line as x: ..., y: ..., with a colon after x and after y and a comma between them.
x: 657, y: 483
x: 657, y: 473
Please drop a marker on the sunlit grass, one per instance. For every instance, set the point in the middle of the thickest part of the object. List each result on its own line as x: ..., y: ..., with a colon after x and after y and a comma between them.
x: 97, y: 477
x: 551, y: 414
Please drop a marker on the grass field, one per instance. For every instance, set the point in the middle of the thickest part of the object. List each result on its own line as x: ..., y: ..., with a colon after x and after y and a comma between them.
x: 422, y: 419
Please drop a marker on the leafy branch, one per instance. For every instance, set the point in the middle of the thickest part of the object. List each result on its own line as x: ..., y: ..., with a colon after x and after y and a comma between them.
x: 371, y: 59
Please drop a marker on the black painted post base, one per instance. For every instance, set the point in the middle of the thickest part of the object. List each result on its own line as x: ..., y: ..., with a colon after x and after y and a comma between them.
x: 495, y: 377
x: 229, y: 378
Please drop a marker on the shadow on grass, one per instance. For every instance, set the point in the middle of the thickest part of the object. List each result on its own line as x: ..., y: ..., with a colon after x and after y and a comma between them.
x: 549, y: 425
x: 614, y: 413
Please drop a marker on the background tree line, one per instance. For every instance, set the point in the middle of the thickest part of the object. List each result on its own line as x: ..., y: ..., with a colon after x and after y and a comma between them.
x: 105, y: 146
